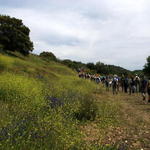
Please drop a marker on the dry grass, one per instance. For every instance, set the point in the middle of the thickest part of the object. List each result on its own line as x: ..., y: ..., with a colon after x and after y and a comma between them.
x: 132, y: 129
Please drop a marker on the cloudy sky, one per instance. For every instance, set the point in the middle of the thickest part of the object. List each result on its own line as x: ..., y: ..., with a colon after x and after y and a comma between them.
x: 111, y: 31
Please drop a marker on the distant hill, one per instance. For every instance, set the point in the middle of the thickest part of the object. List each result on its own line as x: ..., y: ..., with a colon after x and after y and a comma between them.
x: 99, y: 67
x: 138, y: 72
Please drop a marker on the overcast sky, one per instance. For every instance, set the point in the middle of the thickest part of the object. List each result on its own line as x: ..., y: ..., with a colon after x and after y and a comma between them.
x: 111, y: 31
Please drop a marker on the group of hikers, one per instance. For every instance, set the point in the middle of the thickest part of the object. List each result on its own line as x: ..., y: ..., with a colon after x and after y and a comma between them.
x: 124, y: 83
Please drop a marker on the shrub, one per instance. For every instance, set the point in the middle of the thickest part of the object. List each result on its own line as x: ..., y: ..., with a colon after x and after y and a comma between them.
x: 88, y: 109
x: 49, y: 56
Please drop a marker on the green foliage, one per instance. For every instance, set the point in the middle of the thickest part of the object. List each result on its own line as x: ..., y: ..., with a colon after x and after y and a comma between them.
x: 87, y: 110
x: 99, y: 67
x: 91, y: 66
x: 108, y: 113
x: 14, y: 35
x: 73, y: 64
x: 138, y: 72
x: 102, y: 68
x: 28, y: 120
x: 1, y: 48
x: 49, y: 56
x: 14, y: 88
x: 146, y: 69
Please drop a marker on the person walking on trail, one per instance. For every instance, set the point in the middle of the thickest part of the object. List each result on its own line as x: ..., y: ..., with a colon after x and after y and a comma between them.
x: 119, y: 83
x: 133, y: 85
x: 130, y: 85
x: 107, y: 83
x: 122, y: 82
x: 98, y: 80
x: 126, y: 84
x: 148, y: 90
x: 143, y: 87
x: 137, y: 83
x: 115, y: 85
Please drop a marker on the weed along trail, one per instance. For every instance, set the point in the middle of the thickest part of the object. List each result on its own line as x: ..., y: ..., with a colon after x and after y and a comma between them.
x: 123, y: 120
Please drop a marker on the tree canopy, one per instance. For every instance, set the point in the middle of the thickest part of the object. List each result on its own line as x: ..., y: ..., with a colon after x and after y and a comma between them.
x: 14, y: 35
x: 48, y: 56
x: 146, y: 69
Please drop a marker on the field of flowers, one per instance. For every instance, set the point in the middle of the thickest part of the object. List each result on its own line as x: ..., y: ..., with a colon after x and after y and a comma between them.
x: 43, y: 104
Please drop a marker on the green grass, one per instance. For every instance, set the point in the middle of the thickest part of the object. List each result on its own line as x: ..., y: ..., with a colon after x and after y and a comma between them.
x: 84, y: 116
x: 28, y: 120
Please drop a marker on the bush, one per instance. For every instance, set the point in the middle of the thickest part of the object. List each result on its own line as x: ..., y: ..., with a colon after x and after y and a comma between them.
x: 48, y: 56
x: 87, y: 110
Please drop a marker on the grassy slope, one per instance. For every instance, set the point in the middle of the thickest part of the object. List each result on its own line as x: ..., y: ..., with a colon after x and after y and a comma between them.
x: 29, y: 120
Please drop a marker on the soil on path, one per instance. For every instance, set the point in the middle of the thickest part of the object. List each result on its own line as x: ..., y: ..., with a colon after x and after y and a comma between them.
x: 133, y: 130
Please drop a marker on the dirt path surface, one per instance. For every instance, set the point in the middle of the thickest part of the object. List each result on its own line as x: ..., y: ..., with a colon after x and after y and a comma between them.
x: 133, y: 130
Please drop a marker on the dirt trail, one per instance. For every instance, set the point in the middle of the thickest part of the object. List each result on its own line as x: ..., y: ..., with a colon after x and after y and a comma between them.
x: 133, y: 131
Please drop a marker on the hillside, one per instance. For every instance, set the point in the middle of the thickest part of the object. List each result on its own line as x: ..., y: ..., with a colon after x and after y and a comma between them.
x: 44, y: 105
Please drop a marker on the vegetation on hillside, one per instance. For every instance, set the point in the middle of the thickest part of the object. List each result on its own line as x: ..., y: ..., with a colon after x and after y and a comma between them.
x: 43, y: 104
x: 100, y: 68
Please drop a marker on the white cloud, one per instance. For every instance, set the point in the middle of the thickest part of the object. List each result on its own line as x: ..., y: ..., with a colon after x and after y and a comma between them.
x: 115, y: 32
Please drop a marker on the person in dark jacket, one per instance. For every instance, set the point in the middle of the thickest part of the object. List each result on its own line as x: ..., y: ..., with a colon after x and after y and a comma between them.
x: 144, y: 87
x: 126, y: 84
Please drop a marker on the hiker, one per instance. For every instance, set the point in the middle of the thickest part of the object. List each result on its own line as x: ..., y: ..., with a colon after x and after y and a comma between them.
x: 133, y: 85
x: 110, y: 82
x: 126, y: 84
x: 115, y: 85
x: 107, y: 83
x: 122, y: 83
x: 98, y: 80
x: 137, y: 83
x: 103, y: 79
x: 80, y: 75
x: 119, y: 83
x: 143, y: 87
x: 148, y: 90
x: 130, y: 85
